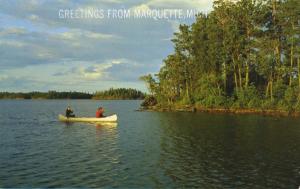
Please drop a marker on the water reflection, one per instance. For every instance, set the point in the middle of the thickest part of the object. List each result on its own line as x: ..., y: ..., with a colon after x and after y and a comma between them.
x: 107, y: 129
x: 145, y: 149
x: 226, y: 151
x: 107, y: 124
x: 97, y: 151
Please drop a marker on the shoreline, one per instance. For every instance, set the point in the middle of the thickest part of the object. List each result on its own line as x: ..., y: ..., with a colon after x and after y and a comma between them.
x: 266, y: 112
x: 62, y: 99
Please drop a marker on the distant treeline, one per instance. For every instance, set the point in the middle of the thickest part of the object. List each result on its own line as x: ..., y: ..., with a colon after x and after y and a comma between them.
x: 108, y: 94
x: 45, y: 95
x: 121, y: 93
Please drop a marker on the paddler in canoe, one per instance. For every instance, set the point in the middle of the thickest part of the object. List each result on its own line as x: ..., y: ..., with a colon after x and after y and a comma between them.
x: 100, y: 112
x: 70, y: 117
x: 69, y: 112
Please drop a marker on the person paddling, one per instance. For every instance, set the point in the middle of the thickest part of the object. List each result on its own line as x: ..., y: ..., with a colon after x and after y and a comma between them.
x: 99, y: 112
x: 69, y: 112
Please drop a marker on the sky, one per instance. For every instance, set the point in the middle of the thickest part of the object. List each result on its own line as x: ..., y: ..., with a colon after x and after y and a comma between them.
x: 43, y: 47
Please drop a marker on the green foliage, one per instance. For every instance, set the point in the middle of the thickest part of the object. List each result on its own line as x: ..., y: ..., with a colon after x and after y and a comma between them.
x: 186, y: 100
x: 149, y: 101
x: 297, y: 105
x: 243, y: 54
x: 247, y: 98
x: 67, y: 95
x: 279, y: 89
x: 289, y: 100
x: 151, y: 84
x: 268, y: 104
x: 46, y: 95
x: 120, y: 93
x: 209, y: 93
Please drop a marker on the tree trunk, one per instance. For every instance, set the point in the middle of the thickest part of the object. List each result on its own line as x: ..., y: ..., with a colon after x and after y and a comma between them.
x: 247, y: 75
x: 235, y: 78
x: 292, y: 57
x: 298, y: 62
x: 235, y: 75
x: 267, y: 89
x: 240, y: 76
x: 219, y: 90
x: 277, y: 50
x: 235, y: 81
x: 248, y: 58
x: 225, y: 77
x: 277, y: 46
x: 271, y: 87
x: 187, y: 82
x: 187, y: 89
x: 291, y: 73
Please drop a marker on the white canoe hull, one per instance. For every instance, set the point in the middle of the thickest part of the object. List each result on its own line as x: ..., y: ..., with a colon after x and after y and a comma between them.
x: 112, y: 118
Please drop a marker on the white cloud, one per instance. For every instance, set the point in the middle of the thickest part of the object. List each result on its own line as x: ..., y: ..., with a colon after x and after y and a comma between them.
x: 142, y: 7
x: 95, y: 35
x: 202, y: 5
x: 77, y: 34
x: 44, y: 55
x: 12, y: 43
x: 37, y: 41
x: 3, y: 77
x: 76, y: 75
x: 98, y: 71
x: 111, y: 1
x: 12, y: 31
x: 33, y: 17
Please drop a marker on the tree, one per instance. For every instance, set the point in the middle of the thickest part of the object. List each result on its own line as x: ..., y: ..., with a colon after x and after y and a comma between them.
x: 241, y: 51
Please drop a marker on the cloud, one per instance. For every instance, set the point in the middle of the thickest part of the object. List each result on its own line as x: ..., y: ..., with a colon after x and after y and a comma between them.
x: 12, y: 43
x: 33, y: 17
x: 82, y: 53
x: 12, y: 31
x: 81, y: 76
x: 3, y: 77
x: 110, y: 70
x: 20, y: 47
x: 75, y: 34
x: 97, y: 71
x: 142, y: 7
x: 201, y: 5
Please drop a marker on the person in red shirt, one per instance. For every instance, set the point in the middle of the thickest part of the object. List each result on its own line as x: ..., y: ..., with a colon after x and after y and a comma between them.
x: 99, y: 112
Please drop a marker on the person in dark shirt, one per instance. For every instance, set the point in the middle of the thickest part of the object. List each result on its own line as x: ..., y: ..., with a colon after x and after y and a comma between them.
x: 69, y: 112
x: 99, y: 112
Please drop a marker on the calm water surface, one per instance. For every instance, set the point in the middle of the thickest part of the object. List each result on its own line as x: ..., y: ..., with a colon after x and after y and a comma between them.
x: 145, y: 149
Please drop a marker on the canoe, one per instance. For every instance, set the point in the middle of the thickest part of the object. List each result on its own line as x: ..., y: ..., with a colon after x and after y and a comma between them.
x: 112, y: 118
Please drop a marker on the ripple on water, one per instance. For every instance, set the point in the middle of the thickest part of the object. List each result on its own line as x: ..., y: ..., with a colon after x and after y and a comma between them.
x: 145, y: 149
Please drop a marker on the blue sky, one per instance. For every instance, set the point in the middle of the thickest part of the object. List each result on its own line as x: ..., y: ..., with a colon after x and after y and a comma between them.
x: 40, y: 51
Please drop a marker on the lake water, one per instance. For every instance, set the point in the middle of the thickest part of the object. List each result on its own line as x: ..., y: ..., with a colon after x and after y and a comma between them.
x: 145, y: 149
